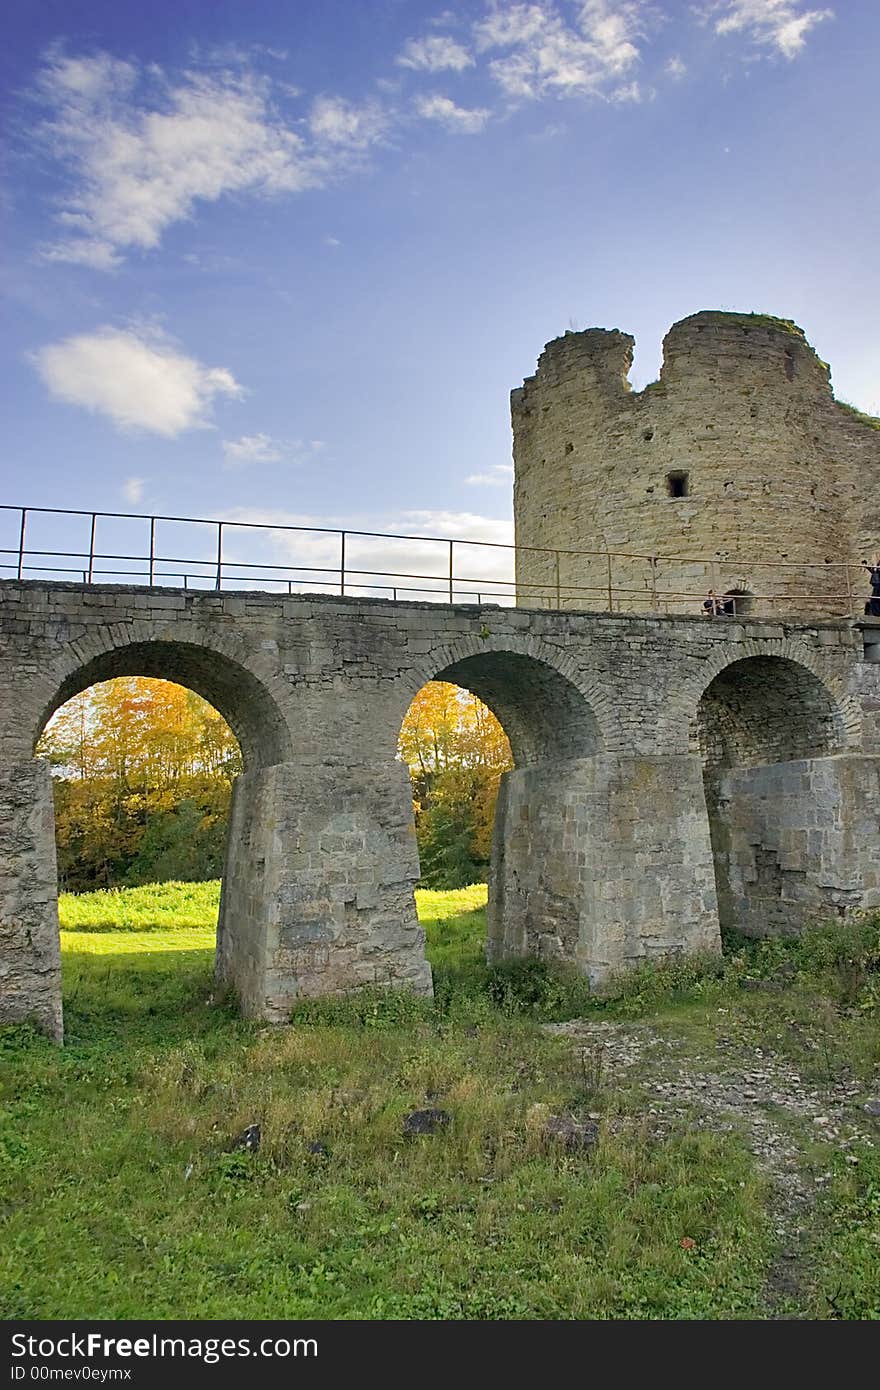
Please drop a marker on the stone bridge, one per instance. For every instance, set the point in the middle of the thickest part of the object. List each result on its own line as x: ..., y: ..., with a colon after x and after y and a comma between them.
x: 673, y: 776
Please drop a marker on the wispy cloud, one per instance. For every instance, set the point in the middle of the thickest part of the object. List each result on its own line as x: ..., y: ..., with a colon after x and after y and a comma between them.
x: 140, y: 151
x: 133, y: 490
x: 140, y: 381
x: 458, y: 119
x: 336, y: 122
x: 437, y: 53
x: 548, y: 54
x: 378, y: 565
x: 780, y: 25
x: 499, y: 475
x: 252, y: 449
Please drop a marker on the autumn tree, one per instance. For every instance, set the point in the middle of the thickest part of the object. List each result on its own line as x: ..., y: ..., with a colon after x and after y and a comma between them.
x: 143, y: 771
x: 456, y: 751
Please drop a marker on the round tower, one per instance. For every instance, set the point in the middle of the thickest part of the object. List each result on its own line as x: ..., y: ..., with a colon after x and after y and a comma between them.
x: 736, y: 471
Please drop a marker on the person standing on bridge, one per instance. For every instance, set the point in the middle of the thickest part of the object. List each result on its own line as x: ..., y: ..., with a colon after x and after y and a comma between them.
x: 712, y: 605
x: 872, y: 607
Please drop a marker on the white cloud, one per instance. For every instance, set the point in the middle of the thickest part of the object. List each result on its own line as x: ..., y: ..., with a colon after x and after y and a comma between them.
x: 308, y: 554
x: 434, y: 54
x: 499, y: 475
x: 252, y: 448
x: 550, y: 56
x: 335, y: 121
x: 456, y: 119
x: 262, y: 448
x: 511, y: 24
x: 140, y: 152
x: 332, y: 241
x: 133, y: 489
x: 781, y: 25
x: 139, y: 382
x: 675, y: 68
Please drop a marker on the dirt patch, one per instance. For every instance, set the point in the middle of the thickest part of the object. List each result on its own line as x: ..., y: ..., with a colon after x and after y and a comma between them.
x: 762, y: 1096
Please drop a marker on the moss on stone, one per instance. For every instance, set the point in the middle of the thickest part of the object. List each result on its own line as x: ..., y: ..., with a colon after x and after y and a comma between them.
x: 756, y: 320
x: 872, y: 421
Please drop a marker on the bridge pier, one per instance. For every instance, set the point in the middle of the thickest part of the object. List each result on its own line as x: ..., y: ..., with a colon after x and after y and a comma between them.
x: 603, y: 862
x: 30, y: 953
x: 795, y: 841
x: 318, y: 890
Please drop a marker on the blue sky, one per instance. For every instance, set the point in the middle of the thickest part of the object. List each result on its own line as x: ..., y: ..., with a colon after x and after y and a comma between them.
x: 286, y: 260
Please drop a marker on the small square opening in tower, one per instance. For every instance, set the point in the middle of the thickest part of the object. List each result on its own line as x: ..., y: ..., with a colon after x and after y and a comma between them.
x: 677, y: 484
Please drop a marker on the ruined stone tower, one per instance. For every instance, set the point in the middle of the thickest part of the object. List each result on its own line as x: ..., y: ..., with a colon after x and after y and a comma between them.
x: 737, y: 470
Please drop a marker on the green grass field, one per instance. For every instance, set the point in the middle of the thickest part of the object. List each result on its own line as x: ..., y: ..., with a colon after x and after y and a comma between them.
x: 122, y: 1194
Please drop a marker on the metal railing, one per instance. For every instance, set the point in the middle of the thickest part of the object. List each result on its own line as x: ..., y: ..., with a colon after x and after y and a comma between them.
x: 447, y: 569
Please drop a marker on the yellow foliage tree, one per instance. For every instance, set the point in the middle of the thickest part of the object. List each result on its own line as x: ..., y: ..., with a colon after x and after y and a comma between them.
x: 143, y: 774
x: 456, y: 751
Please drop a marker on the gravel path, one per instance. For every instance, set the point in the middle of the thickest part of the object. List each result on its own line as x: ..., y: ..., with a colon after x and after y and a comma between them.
x: 761, y: 1095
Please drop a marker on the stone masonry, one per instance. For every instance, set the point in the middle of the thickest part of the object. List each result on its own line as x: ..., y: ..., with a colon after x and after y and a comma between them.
x: 736, y: 469
x: 671, y: 774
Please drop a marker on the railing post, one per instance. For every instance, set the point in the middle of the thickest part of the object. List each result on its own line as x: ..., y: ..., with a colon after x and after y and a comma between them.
x: 610, y: 590
x: 219, y: 553
x: 152, y: 548
x: 849, y: 592
x: 21, y: 541
x: 653, y: 583
x: 342, y: 564
x: 558, y: 598
x: 92, y: 547
x: 451, y: 570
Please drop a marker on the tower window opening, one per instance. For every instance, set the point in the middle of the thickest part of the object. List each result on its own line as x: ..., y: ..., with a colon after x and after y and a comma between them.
x: 677, y: 484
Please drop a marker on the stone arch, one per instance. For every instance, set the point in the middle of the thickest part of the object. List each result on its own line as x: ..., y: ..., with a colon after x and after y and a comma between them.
x: 766, y: 709
x: 244, y: 699
x: 548, y: 711
x: 250, y: 700
x: 792, y: 657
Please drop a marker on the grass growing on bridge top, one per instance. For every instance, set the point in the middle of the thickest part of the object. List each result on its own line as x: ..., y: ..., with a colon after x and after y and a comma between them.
x: 122, y: 1194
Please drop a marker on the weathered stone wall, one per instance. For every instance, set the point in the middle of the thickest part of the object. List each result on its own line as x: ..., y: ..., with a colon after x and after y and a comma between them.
x: 318, y: 890
x: 778, y: 474
x: 795, y: 842
x: 604, y: 862
x: 604, y: 865
x: 30, y: 954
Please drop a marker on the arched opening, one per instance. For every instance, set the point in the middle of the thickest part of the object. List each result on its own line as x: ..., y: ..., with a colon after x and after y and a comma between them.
x: 224, y: 683
x: 738, y: 602
x: 765, y: 728
x: 456, y: 752
x: 142, y: 776
x: 494, y: 743
x: 177, y: 740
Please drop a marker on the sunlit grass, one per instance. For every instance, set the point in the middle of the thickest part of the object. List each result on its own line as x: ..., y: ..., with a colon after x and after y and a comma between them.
x: 183, y: 917
x: 122, y: 1194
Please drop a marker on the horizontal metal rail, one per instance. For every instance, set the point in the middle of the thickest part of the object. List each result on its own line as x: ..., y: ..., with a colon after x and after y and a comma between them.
x: 340, y: 571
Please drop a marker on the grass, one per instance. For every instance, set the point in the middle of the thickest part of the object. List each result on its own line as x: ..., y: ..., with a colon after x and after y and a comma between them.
x: 872, y: 421
x: 122, y: 1194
